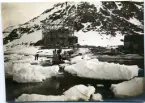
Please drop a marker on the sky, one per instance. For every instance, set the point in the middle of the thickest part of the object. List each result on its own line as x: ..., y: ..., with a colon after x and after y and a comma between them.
x: 19, y: 13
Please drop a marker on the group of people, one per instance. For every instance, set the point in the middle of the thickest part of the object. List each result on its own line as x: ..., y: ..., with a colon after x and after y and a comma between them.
x: 57, y: 58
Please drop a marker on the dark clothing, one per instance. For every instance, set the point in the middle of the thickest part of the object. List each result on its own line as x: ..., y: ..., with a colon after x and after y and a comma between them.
x: 56, y: 57
x: 59, y: 51
x: 36, y: 56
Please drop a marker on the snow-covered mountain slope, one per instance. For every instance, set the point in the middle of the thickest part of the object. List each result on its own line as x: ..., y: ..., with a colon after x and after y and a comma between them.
x: 108, y: 19
x: 93, y: 38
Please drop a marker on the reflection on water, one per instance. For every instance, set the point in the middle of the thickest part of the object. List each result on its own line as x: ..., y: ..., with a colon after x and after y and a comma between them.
x: 48, y: 87
x: 56, y: 86
x: 53, y: 86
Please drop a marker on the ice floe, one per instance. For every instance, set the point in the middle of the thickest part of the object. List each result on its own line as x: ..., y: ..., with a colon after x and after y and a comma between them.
x: 25, y: 72
x: 80, y: 91
x: 132, y: 88
x: 102, y: 70
x: 97, y: 97
x: 75, y: 93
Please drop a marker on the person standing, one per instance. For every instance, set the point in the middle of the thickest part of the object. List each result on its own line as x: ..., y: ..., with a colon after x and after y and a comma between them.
x: 54, y: 59
x: 36, y: 56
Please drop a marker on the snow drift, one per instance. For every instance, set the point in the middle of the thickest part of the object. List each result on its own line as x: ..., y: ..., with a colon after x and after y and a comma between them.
x: 21, y: 49
x: 78, y: 92
x: 102, y: 70
x: 132, y: 88
x: 79, y: 59
x: 25, y: 72
x: 93, y: 38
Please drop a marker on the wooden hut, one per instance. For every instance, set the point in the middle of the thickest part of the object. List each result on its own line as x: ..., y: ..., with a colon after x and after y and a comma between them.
x: 56, y: 33
x: 134, y: 43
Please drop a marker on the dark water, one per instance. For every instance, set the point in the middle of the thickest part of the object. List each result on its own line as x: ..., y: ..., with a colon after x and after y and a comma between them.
x: 14, y: 89
x: 57, y: 85
x: 54, y: 86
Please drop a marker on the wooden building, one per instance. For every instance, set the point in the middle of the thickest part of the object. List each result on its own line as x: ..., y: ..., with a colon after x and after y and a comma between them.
x: 55, y: 33
x: 134, y: 43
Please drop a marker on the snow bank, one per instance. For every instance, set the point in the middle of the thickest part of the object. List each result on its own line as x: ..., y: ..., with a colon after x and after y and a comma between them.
x: 79, y: 59
x: 45, y: 52
x: 76, y: 59
x: 12, y: 57
x: 63, y: 65
x: 34, y: 62
x: 95, y: 39
x: 32, y: 37
x: 22, y: 59
x: 25, y: 72
x: 30, y: 50
x: 102, y: 70
x: 49, y: 52
x: 27, y: 38
x: 21, y: 49
x: 135, y: 21
x: 130, y: 88
x: 76, y: 93
x: 82, y: 51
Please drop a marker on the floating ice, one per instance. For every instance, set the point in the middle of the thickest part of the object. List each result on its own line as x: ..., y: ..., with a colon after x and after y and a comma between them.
x: 97, y: 97
x: 78, y: 92
x: 37, y: 97
x: 25, y: 72
x: 102, y: 70
x: 130, y: 88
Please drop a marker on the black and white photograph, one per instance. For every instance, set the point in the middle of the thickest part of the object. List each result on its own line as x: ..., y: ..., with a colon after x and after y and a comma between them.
x: 73, y: 51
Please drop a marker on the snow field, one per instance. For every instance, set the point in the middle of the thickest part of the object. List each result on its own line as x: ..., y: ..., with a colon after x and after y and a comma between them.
x: 93, y: 38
